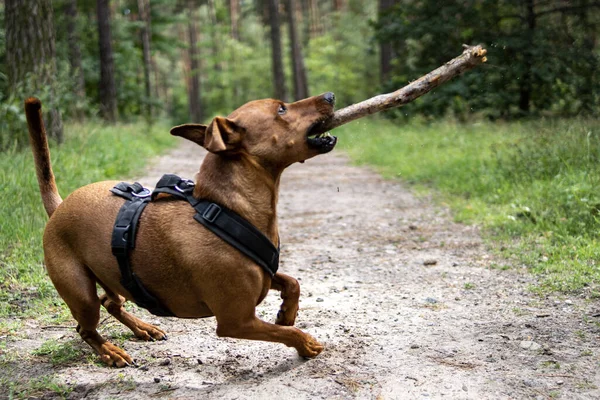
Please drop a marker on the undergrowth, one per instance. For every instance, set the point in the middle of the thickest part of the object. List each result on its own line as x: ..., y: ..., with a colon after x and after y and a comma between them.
x: 534, y: 186
x: 91, y: 152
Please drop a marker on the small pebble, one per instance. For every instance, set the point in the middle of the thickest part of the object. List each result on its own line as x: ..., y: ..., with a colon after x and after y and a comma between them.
x: 529, y: 345
x: 200, y: 361
x: 156, y: 380
x: 320, y: 300
x: 165, y: 362
x: 430, y: 262
x: 414, y: 346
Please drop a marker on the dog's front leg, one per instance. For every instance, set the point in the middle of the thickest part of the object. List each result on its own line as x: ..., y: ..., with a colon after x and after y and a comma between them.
x: 239, y: 321
x: 290, y: 294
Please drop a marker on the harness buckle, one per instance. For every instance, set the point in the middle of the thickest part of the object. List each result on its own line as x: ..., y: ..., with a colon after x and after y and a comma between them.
x: 186, y: 185
x: 211, y: 213
x: 143, y: 193
x: 120, y: 240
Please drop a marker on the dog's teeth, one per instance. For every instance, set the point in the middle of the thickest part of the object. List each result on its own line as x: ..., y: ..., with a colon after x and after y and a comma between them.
x: 327, y: 134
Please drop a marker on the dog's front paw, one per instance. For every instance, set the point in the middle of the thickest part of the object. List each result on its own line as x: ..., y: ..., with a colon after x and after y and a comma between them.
x: 311, y: 348
x: 114, y: 356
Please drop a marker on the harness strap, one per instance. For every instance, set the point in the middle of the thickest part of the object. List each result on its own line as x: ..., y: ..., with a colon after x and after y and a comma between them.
x: 225, y: 223
x: 236, y: 231
x: 123, y: 240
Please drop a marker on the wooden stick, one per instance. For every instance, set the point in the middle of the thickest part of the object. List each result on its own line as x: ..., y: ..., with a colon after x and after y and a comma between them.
x: 469, y: 59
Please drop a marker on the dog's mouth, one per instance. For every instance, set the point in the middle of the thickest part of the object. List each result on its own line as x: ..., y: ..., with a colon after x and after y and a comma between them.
x: 324, y: 142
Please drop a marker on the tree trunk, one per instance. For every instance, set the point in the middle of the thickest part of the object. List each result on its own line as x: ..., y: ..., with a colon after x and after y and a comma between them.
x: 216, y: 44
x: 526, y: 84
x: 299, y: 72
x: 195, y: 104
x: 587, y: 90
x: 234, y: 15
x: 314, y: 19
x: 30, y: 53
x: 144, y: 15
x: 339, y: 5
x: 277, y: 57
x: 385, y: 48
x: 108, y: 91
x: 75, y: 52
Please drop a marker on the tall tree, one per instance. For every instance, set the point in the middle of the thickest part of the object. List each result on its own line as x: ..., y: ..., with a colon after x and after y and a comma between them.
x: 525, y: 83
x: 276, y: 55
x: 195, y: 104
x: 339, y: 5
x: 74, y: 50
x: 234, y: 15
x: 314, y: 18
x: 108, y: 91
x: 144, y: 15
x: 31, y: 52
x: 299, y: 72
x: 385, y: 47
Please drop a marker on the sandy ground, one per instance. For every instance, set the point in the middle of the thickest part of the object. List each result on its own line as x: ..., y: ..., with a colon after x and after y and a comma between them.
x: 408, y: 304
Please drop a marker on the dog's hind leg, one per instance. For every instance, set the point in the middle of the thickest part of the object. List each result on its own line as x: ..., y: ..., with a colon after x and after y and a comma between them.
x: 290, y: 293
x: 142, y: 330
x: 77, y: 286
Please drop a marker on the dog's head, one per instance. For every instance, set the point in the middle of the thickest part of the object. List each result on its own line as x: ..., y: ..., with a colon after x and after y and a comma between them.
x: 274, y: 133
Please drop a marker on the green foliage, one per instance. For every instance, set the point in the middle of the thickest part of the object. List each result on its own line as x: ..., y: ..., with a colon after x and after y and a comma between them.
x: 552, y: 58
x: 332, y: 59
x: 534, y: 184
x: 91, y: 153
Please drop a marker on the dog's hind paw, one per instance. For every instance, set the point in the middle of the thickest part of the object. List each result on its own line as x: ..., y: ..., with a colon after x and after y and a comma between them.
x: 148, y: 332
x: 285, y: 318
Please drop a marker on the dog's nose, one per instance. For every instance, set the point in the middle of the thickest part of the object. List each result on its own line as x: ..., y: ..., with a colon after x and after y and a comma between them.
x: 329, y: 97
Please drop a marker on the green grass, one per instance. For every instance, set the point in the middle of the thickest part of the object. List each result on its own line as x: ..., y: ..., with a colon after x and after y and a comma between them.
x: 91, y: 152
x: 534, y: 186
x: 35, y: 388
x: 59, y: 353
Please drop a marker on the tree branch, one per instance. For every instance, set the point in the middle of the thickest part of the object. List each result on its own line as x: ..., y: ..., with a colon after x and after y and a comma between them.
x: 470, y: 58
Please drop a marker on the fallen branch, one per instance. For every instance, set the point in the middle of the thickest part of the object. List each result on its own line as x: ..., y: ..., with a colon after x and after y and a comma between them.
x: 469, y: 59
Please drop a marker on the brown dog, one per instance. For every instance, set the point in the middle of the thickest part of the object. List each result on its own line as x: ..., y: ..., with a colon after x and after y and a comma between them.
x: 190, y: 270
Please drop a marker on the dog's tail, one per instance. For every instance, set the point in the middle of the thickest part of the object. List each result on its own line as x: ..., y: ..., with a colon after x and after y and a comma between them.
x: 41, y: 155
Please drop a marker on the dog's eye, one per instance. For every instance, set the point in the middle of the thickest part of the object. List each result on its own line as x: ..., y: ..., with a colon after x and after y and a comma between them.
x: 282, y: 110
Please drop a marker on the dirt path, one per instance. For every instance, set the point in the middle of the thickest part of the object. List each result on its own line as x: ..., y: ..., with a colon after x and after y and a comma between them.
x: 408, y: 304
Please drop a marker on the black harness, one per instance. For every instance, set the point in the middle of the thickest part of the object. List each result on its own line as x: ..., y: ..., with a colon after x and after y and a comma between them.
x: 220, y: 220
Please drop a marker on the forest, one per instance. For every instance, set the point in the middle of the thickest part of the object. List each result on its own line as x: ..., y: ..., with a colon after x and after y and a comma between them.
x: 448, y: 248
x: 190, y: 60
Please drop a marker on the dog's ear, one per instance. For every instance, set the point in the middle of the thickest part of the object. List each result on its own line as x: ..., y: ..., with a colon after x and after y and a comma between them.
x: 223, y: 135
x: 193, y: 132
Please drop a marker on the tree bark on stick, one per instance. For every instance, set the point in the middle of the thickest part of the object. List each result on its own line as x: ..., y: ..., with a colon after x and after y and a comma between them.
x: 469, y: 59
